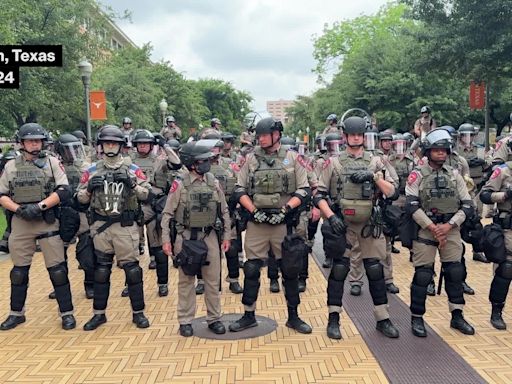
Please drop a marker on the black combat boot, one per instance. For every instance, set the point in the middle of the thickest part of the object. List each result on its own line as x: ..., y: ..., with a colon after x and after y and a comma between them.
x: 152, y: 264
x: 355, y: 290
x: 125, y: 292
x: 163, y: 290
x: 327, y: 263
x: 248, y: 320
x: 186, y: 330
x: 52, y: 296
x: 217, y: 327
x: 394, y: 249
x: 199, y: 288
x: 458, y: 322
x: 418, y: 326
x: 274, y: 285
x: 68, y: 322
x: 95, y: 322
x: 302, y: 284
x: 236, y: 288
x: 12, y: 322
x: 479, y: 256
x: 467, y: 289
x: 496, y: 317
x: 387, y: 328
x: 295, y: 322
x: 333, y: 326
x: 392, y: 288
x: 140, y: 320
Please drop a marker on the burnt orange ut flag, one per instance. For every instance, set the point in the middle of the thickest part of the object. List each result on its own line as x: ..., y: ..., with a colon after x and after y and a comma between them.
x: 98, y: 105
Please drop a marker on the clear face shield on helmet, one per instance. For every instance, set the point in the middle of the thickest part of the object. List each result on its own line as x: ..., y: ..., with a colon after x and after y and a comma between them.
x: 465, y: 139
x: 400, y: 146
x: 320, y: 144
x: 71, y: 152
x: 333, y: 147
x: 370, y: 141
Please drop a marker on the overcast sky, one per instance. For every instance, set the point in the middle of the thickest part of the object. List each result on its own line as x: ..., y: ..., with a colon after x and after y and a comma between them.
x: 261, y: 46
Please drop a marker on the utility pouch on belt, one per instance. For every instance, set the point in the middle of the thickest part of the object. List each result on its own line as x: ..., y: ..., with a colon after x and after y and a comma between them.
x: 293, y: 250
x: 192, y: 256
x: 408, y: 231
x: 69, y: 223
x: 493, y: 243
x: 49, y: 216
x: 392, y: 216
x: 127, y: 218
x: 334, y: 244
x: 471, y: 232
x: 266, y: 201
x: 356, y: 211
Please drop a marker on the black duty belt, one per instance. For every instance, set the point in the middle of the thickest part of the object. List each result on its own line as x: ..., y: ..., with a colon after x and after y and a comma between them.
x: 441, y: 218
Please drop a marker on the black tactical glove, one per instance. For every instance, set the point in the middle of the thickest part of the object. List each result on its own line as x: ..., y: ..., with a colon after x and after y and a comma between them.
x: 160, y: 140
x: 508, y: 194
x: 278, y: 218
x: 123, y: 177
x: 30, y: 212
x: 94, y: 182
x: 360, y: 177
x: 259, y: 217
x: 337, y: 225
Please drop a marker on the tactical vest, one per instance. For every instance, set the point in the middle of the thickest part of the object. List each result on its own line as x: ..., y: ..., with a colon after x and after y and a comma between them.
x: 73, y: 173
x: 30, y: 184
x: 402, y: 167
x: 113, y: 199
x: 147, y: 164
x: 164, y: 178
x: 438, y: 190
x: 354, y: 200
x: 476, y: 173
x: 226, y: 179
x: 199, y: 203
x: 271, y: 179
x: 505, y: 206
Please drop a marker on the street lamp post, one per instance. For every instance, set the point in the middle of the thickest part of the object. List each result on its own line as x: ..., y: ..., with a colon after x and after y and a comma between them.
x: 163, y: 109
x: 309, y: 139
x: 86, y: 71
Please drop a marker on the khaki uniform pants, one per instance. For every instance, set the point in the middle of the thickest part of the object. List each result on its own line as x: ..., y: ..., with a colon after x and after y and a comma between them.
x: 424, y: 254
x: 211, y: 277
x: 154, y: 237
x: 123, y: 242
x: 23, y: 242
x: 260, y: 238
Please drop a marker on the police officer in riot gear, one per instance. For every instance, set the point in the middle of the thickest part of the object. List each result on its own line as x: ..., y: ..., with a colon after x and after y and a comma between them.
x: 112, y: 188
x: 272, y: 185
x: 439, y: 202
x: 31, y: 186
x: 70, y: 149
x: 352, y: 181
x: 332, y: 124
x: 160, y: 173
x: 498, y: 190
x: 198, y: 235
x: 171, y: 130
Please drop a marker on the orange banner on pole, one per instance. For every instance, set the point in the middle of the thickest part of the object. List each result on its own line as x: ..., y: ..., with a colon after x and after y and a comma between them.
x: 477, y: 95
x: 98, y: 105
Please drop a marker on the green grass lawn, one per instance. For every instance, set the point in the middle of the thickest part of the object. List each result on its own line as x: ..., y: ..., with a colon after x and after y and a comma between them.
x: 3, y: 223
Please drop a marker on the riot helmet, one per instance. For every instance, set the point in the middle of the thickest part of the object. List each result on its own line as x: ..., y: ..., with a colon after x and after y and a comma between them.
x: 333, y: 143
x: 320, y: 143
x: 69, y: 148
x: 170, y: 119
x: 287, y: 140
x: 466, y: 134
x: 332, y: 118
x: 267, y: 126
x: 196, y: 157
x: 111, y: 134
x: 78, y: 133
x: 174, y: 144
x: 437, y: 138
x: 399, y: 144
x: 370, y: 139
x: 425, y: 109
x: 143, y: 136
x: 127, y: 120
x: 215, y: 121
x: 31, y: 131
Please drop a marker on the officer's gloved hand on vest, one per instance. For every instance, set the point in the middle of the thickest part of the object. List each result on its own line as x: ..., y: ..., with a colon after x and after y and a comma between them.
x: 337, y: 225
x: 280, y: 217
x: 360, y: 177
x: 94, y: 183
x: 124, y: 178
x: 160, y: 140
x: 30, y: 212
x: 259, y: 217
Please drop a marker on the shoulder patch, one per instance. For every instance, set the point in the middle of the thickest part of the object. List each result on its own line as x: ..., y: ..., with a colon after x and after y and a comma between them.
x: 413, y: 176
x: 496, y: 173
x: 174, y: 186
x: 304, y: 163
x: 62, y: 167
x: 234, y: 166
x: 85, y: 177
x: 138, y: 172
x: 498, y: 145
x: 326, y: 163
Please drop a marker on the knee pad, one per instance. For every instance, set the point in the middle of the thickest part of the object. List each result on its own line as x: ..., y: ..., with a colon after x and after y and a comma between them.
x: 454, y: 272
x: 103, y: 258
x: 340, y: 269
x: 504, y: 270
x: 133, y: 273
x: 374, y: 269
x: 58, y: 275
x: 423, y: 275
x: 154, y: 250
x: 252, y: 269
x: 102, y: 274
x: 161, y: 257
x: 19, y: 275
x: 232, y: 252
